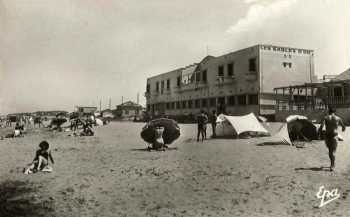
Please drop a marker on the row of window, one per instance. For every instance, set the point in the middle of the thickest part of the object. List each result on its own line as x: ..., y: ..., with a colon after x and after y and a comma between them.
x: 286, y: 49
x: 201, y: 76
x: 285, y: 64
x: 251, y: 99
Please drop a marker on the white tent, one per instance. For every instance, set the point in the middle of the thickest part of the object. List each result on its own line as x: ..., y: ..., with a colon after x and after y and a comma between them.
x: 281, y: 137
x: 235, y: 125
x: 99, y: 122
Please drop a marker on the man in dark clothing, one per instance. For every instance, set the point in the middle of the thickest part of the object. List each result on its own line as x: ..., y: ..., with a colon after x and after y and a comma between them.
x: 213, y: 123
x: 332, y: 122
x: 202, y: 120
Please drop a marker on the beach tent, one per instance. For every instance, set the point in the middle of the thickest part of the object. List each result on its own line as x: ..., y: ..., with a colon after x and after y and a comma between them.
x: 300, y: 128
x: 281, y: 137
x: 236, y: 125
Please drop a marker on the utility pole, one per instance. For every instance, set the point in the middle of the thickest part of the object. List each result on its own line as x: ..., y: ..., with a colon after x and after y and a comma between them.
x: 110, y: 103
x: 122, y: 99
x: 100, y: 105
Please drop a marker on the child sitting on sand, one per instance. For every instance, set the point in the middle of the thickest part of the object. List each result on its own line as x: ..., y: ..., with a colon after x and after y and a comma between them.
x: 41, y: 160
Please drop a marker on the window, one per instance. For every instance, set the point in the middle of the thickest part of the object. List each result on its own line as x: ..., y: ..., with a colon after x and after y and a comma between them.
x: 285, y: 64
x: 148, y: 107
x: 126, y: 112
x: 231, y: 100
x: 253, y: 99
x: 189, y: 103
x: 221, y: 100
x: 337, y: 91
x: 168, y: 84
x: 242, y: 100
x: 157, y: 86
x: 198, y: 76
x: 204, y: 102
x: 252, y: 64
x: 197, y: 103
x: 178, y: 81
x: 162, y: 87
x: 178, y: 105
x: 183, y: 104
x: 204, y: 76
x: 230, y: 69
x: 167, y: 105
x: 221, y: 71
x: 212, y: 102
x: 148, y: 88
x: 172, y: 105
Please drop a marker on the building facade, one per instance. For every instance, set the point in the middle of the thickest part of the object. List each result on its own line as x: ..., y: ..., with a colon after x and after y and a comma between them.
x: 129, y: 111
x: 236, y: 83
x: 86, y: 109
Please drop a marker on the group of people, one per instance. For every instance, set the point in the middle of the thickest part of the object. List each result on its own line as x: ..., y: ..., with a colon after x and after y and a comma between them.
x: 202, y: 121
x: 330, y: 121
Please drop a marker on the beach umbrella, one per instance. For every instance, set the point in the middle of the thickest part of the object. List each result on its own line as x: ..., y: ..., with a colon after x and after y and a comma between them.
x: 299, y: 127
x: 171, y: 130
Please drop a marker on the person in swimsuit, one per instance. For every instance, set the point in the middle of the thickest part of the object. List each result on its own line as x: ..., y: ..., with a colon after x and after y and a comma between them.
x: 158, y: 138
x: 331, y: 121
x: 202, y: 120
x: 41, y: 160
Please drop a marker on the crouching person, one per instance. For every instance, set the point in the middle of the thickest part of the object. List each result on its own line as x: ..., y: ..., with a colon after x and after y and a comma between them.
x: 41, y: 160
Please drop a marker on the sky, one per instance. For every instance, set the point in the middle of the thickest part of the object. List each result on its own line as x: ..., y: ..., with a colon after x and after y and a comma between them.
x: 61, y: 53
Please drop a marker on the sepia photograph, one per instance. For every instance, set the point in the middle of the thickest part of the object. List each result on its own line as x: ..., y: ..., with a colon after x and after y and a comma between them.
x: 174, y: 108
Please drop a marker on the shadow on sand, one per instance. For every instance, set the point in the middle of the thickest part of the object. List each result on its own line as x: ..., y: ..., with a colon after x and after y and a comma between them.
x: 17, y: 199
x: 149, y: 149
x: 313, y: 168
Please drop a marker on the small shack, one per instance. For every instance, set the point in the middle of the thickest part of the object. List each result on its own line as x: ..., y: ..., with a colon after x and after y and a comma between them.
x: 129, y: 111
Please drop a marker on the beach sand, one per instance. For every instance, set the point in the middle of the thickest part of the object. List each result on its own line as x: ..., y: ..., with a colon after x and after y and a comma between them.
x: 112, y: 174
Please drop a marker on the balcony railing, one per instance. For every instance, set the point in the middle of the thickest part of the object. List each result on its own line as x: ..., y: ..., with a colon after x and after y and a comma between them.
x: 220, y: 80
x: 311, y: 104
x: 251, y: 76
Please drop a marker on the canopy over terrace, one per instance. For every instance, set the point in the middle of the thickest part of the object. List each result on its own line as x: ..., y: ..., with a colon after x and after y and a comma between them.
x: 313, y: 96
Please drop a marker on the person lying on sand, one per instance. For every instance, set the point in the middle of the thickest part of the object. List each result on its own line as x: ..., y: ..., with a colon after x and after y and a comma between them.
x: 41, y: 160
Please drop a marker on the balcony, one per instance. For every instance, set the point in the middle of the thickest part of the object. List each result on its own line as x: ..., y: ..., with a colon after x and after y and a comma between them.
x: 222, y: 80
x: 191, y: 87
x: 251, y: 76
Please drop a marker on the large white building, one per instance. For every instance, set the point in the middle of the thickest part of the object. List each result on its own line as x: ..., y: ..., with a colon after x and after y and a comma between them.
x: 236, y: 83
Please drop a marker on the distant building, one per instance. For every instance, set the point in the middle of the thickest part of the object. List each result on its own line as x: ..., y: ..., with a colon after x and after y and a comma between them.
x: 107, y: 113
x: 313, y: 99
x: 236, y: 83
x: 129, y: 110
x: 86, y: 109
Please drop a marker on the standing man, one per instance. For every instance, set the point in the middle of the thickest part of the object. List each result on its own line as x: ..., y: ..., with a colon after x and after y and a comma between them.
x: 202, y: 120
x: 213, y: 123
x: 332, y: 122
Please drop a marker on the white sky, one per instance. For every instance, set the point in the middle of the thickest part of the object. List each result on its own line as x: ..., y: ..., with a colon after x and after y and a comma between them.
x: 60, y: 53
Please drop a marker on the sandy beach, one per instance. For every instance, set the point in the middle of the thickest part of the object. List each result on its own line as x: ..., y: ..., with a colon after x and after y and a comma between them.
x: 111, y: 174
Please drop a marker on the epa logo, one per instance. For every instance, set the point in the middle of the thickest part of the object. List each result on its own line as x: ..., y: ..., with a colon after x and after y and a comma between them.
x: 327, y: 196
